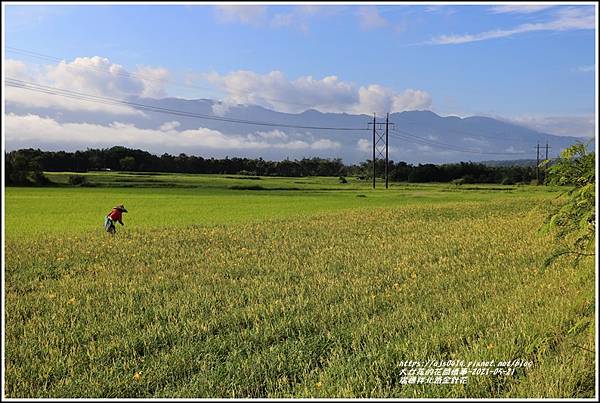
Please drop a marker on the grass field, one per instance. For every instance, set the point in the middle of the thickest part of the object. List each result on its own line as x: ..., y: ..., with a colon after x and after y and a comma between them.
x: 311, y: 289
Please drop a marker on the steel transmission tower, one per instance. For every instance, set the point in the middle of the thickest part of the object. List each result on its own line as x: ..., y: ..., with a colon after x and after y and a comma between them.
x: 380, y: 145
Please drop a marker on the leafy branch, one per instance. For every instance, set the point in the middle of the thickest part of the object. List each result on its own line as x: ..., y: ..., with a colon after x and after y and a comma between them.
x: 573, y: 222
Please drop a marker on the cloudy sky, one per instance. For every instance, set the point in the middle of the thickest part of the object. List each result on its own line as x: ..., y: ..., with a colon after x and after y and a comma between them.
x: 531, y: 64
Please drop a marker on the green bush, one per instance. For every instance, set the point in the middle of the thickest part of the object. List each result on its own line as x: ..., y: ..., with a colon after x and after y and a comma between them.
x: 246, y: 173
x: 40, y: 179
x: 78, y: 180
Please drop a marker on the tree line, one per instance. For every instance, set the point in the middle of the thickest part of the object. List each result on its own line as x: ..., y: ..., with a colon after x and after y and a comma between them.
x: 26, y: 167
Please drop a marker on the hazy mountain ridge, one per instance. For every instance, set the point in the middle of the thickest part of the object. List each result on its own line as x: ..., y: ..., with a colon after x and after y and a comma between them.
x: 442, y: 136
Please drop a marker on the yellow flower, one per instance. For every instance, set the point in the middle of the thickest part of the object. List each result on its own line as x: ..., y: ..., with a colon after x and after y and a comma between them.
x: 490, y: 346
x: 137, y: 376
x: 71, y: 301
x: 319, y: 384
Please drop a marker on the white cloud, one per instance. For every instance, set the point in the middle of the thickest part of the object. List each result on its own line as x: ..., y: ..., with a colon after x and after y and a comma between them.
x: 369, y: 18
x: 519, y: 8
x: 276, y: 91
x: 98, y: 76
x: 374, y: 98
x: 329, y: 94
x: 364, y: 145
x: 89, y: 75
x: 153, y: 79
x: 33, y: 128
x: 168, y: 126
x: 411, y: 100
x: 325, y: 144
x: 16, y: 69
x: 380, y: 99
x: 220, y: 108
x: 95, y: 75
x: 254, y: 15
x: 565, y: 19
x: 33, y: 99
x: 270, y: 135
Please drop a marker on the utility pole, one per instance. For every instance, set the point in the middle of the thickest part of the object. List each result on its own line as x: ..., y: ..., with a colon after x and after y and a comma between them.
x: 546, y: 165
x: 374, y: 124
x: 387, y: 118
x: 380, y: 137
x: 537, y: 165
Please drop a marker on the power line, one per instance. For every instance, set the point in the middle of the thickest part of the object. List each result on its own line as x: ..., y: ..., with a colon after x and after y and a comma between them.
x: 125, y: 73
x: 12, y: 82
x: 113, y: 101
x: 163, y: 80
x: 29, y: 53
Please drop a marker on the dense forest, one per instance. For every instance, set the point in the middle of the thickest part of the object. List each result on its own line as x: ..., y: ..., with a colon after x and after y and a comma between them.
x: 26, y: 166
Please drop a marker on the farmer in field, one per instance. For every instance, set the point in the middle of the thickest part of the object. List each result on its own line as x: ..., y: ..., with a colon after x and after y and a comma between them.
x: 115, y: 215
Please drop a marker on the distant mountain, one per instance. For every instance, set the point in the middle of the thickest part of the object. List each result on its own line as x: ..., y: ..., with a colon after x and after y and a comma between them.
x: 418, y: 136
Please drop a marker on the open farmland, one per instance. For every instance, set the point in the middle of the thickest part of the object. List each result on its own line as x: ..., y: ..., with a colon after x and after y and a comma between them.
x: 287, y: 287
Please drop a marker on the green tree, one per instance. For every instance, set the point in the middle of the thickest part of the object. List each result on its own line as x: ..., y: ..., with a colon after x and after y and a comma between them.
x: 127, y: 163
x: 573, y: 222
x: 23, y: 170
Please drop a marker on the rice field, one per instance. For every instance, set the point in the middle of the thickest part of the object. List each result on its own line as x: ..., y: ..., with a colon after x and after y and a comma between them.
x: 320, y: 291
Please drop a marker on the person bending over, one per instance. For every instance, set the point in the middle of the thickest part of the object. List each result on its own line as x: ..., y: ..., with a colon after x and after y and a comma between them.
x: 115, y: 215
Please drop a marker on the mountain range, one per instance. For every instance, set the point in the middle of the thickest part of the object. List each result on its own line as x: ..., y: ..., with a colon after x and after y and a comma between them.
x: 415, y: 136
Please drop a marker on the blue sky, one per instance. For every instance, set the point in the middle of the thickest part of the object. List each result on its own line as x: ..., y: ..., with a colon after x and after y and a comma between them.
x: 535, y: 64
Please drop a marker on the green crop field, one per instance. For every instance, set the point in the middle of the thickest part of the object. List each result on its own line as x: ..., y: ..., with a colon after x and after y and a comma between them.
x: 226, y: 286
